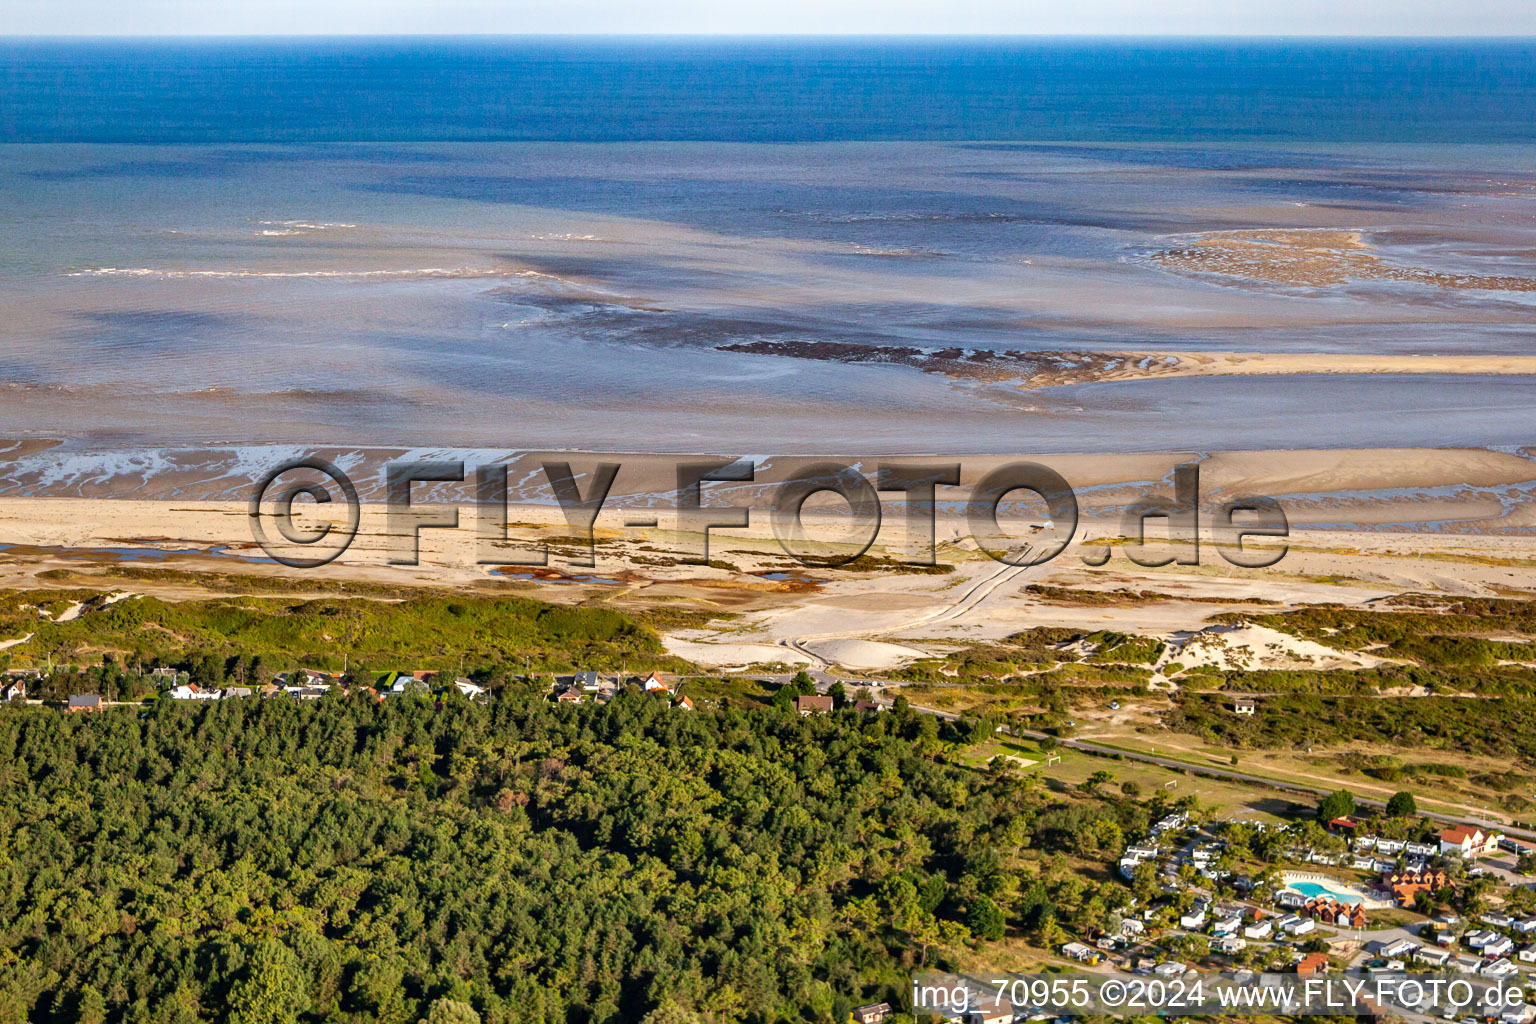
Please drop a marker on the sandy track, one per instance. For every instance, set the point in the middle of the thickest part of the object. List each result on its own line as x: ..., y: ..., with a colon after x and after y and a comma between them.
x: 973, y: 596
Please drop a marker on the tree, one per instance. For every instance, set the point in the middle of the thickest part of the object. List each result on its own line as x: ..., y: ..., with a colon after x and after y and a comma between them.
x: 1402, y: 805
x: 90, y: 1008
x: 1336, y: 805
x: 1094, y: 781
x: 838, y: 693
x: 1131, y: 788
x: 270, y: 991
x: 985, y: 919
x: 451, y: 1011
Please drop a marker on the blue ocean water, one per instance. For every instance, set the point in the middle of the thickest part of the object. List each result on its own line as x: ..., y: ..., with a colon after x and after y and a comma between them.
x: 499, y: 89
x: 795, y: 246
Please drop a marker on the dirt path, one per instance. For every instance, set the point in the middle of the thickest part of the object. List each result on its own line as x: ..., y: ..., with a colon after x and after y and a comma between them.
x: 973, y: 596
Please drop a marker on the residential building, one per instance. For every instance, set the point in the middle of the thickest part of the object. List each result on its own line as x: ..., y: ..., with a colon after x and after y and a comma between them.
x: 1432, y: 956
x: 1078, y: 951
x: 871, y: 1013
x: 469, y: 689
x: 1259, y: 930
x: 1243, y: 706
x: 993, y: 1015
x: 1501, y: 946
x: 813, y: 704
x: 83, y: 702
x: 1478, y: 939
x: 1312, y: 963
x: 1468, y: 841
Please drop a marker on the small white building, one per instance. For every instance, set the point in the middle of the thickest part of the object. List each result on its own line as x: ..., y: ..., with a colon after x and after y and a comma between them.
x: 1259, y: 930
x: 1501, y: 946
x: 1498, y: 968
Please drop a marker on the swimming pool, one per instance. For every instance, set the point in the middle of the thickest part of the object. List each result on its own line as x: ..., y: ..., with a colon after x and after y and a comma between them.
x: 1317, y: 889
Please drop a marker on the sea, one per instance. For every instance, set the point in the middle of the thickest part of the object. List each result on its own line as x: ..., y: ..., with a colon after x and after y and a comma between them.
x: 853, y: 246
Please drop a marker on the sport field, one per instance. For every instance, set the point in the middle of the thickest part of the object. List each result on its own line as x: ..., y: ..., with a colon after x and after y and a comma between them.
x: 1224, y: 799
x: 1329, y: 767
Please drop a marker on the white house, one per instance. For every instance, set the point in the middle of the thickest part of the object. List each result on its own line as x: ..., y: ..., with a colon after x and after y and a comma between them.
x: 1468, y: 841
x: 1466, y: 964
x: 191, y: 691
x: 1527, y: 954
x: 1300, y: 927
x: 1229, y: 944
x: 1171, y: 969
x: 1479, y: 939
x: 1400, y: 947
x: 1226, y: 926
x: 1193, y: 921
x: 1261, y: 930
x: 1498, y: 968
x: 468, y: 688
x: 1078, y: 951
x: 1501, y: 946
x: 1432, y: 956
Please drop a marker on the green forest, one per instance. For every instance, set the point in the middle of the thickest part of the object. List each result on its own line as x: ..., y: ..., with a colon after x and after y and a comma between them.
x: 343, y: 861
x: 417, y: 631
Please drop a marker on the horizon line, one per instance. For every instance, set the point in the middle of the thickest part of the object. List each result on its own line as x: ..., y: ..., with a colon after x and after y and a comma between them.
x: 770, y: 36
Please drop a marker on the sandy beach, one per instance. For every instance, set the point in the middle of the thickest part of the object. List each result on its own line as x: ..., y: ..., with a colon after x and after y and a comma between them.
x: 884, y: 613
